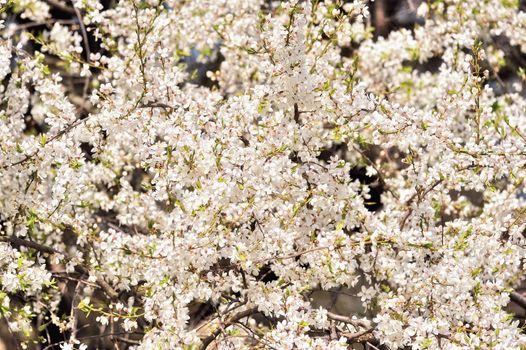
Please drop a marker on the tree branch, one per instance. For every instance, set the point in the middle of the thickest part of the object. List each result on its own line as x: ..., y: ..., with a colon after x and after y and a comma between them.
x: 240, y: 315
x: 351, y: 321
x: 59, y: 5
x: 518, y: 299
x: 19, y: 242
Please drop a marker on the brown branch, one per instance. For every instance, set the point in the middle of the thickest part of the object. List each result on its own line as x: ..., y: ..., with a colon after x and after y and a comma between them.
x: 412, y: 198
x: 356, y: 335
x: 97, y: 336
x: 518, y: 299
x: 290, y: 256
x: 59, y: 5
x: 381, y: 177
x: 126, y: 341
x: 74, y: 308
x: 19, y: 242
x: 381, y: 19
x: 234, y: 319
x: 85, y: 41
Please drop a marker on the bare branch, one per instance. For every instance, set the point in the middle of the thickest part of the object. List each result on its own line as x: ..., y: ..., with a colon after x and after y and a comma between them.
x: 518, y: 299
x: 59, y: 5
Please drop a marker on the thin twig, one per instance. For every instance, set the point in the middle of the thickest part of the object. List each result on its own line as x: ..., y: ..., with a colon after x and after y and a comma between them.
x: 412, y: 198
x: 74, y: 309
x: 98, y: 336
x: 85, y: 42
x: 381, y: 177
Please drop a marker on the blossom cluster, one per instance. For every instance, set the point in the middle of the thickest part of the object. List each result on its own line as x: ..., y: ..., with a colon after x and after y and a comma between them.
x: 184, y: 173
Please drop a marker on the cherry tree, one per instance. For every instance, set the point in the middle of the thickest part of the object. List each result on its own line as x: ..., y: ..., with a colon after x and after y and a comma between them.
x: 203, y: 174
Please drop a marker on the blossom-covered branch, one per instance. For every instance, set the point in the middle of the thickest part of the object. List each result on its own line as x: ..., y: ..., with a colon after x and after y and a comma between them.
x: 274, y: 174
